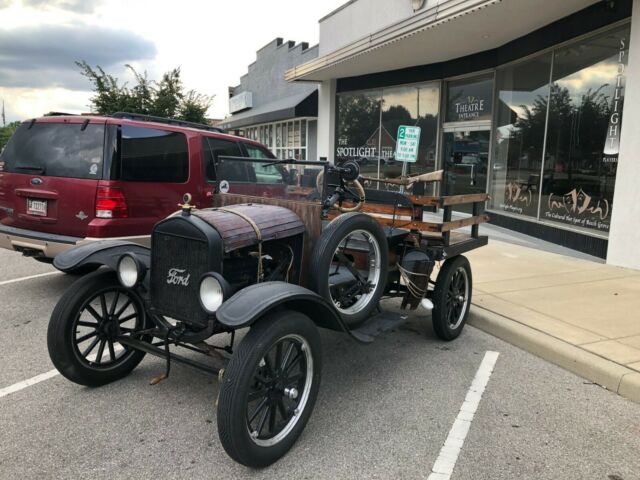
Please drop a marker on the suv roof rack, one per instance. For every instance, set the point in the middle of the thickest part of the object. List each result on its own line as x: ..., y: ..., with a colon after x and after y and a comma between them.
x: 168, y: 121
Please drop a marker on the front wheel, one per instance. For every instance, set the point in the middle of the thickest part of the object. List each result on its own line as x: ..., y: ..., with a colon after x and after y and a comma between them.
x: 85, y: 324
x: 452, y: 298
x: 269, y: 388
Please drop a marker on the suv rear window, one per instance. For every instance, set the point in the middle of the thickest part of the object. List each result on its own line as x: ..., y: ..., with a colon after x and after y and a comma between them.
x: 55, y: 150
x: 150, y: 155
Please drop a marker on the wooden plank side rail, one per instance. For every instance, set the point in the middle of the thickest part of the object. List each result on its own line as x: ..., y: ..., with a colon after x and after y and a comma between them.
x: 452, y: 225
x: 462, y: 199
x: 431, y: 227
x: 380, y: 208
x: 408, y: 181
x: 448, y: 200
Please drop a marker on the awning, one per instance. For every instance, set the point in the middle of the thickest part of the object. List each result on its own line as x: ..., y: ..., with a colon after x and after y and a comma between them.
x: 301, y: 105
x: 448, y: 30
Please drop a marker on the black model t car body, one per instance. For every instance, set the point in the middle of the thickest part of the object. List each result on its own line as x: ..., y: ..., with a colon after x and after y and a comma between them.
x: 281, y: 266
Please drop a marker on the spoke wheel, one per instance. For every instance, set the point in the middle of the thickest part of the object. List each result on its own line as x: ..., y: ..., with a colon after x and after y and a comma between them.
x: 452, y: 298
x: 108, y: 313
x: 269, y: 388
x: 355, y: 272
x: 84, y: 327
x: 349, y: 266
x: 280, y: 390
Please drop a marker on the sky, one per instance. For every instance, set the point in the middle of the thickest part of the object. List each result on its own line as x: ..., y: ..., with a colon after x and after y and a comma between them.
x: 213, y: 41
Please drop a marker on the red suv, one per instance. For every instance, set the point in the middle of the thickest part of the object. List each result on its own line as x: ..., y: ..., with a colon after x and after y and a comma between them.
x: 72, y: 179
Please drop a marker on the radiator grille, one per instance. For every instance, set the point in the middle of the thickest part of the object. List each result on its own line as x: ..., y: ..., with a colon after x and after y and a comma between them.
x: 177, y: 264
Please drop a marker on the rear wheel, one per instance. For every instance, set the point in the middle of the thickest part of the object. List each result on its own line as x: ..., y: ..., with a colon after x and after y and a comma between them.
x: 452, y: 298
x: 85, y: 324
x: 349, y: 266
x: 269, y: 388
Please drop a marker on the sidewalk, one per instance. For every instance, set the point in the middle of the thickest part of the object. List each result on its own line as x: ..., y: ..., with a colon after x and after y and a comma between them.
x: 581, y: 315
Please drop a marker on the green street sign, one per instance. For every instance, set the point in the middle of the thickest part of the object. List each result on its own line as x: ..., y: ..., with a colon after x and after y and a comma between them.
x: 407, y: 144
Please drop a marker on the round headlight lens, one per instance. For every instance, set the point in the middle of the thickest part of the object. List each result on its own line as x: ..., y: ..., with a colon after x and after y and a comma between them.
x: 128, y: 271
x: 211, y: 294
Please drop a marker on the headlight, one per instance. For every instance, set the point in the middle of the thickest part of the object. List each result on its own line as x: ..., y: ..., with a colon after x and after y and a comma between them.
x: 130, y: 270
x: 213, y: 290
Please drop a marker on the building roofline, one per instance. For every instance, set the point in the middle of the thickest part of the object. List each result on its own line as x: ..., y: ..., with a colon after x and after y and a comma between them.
x: 333, y: 12
x: 277, y: 41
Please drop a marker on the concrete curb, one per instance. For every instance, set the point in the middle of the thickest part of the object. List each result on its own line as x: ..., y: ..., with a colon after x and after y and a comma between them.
x: 611, y: 375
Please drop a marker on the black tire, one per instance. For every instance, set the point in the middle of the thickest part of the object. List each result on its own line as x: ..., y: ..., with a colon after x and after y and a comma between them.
x: 79, y: 308
x: 323, y: 257
x: 250, y: 372
x: 46, y: 260
x: 452, y: 298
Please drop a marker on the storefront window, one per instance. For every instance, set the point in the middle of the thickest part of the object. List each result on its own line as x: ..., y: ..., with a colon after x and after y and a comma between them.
x: 522, y: 94
x: 285, y: 139
x: 303, y: 129
x: 587, y: 95
x: 412, y: 105
x: 470, y: 100
x: 359, y: 128
x: 582, y: 127
x: 368, y: 124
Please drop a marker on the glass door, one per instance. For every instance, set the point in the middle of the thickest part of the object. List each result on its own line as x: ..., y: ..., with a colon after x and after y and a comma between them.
x: 465, y: 163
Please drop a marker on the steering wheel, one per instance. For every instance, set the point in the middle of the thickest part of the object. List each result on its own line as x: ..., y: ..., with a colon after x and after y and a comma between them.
x: 349, y: 173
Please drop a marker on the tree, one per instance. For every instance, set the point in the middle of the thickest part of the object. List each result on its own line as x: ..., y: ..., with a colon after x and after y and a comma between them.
x: 6, y: 132
x: 165, y: 98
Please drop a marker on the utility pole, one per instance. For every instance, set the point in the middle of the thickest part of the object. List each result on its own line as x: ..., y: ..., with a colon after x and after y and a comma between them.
x: 4, y: 120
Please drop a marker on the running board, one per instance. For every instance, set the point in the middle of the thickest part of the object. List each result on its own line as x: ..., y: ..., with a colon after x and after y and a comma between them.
x: 380, y: 323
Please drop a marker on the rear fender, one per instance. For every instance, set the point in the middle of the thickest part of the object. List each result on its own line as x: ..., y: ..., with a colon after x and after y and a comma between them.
x: 250, y: 304
x: 101, y: 253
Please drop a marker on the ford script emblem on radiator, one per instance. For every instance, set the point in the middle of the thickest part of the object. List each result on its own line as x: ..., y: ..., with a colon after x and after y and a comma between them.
x: 176, y: 276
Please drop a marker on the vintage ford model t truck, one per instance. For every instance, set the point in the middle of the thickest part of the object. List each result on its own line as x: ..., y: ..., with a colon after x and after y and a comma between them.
x: 277, y: 269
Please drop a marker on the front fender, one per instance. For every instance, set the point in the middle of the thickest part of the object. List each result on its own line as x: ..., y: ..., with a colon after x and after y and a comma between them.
x: 251, y: 303
x: 103, y: 252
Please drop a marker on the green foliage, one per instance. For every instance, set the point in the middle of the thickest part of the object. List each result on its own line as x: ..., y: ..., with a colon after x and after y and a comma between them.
x: 165, y: 98
x: 6, y: 132
x: 359, y: 118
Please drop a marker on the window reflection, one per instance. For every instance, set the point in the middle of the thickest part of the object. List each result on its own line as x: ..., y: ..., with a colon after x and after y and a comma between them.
x: 584, y: 127
x: 585, y: 99
x: 522, y: 95
x: 368, y: 124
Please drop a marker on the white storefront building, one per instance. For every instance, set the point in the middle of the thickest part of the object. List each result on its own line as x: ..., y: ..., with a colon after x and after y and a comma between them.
x: 533, y: 101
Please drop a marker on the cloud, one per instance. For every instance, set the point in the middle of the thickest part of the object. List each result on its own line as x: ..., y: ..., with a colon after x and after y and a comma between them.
x: 44, y: 56
x: 77, y: 6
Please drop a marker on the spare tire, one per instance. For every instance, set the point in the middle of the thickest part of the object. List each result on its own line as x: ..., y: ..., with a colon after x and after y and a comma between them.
x: 349, y: 266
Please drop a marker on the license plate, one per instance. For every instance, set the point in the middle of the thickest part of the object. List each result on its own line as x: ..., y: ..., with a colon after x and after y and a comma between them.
x: 37, y: 207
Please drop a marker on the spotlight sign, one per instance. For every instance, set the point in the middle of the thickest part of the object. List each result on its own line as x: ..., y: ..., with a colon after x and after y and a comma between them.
x: 407, y: 143
x: 612, y: 145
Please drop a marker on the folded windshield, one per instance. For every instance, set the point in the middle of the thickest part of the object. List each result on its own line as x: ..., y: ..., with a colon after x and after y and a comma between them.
x: 286, y: 179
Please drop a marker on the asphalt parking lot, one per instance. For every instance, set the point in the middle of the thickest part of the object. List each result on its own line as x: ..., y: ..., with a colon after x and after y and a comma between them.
x: 384, y: 410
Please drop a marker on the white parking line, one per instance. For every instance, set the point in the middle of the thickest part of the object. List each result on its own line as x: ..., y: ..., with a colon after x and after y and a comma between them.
x: 446, y: 461
x: 22, y: 279
x: 16, y: 387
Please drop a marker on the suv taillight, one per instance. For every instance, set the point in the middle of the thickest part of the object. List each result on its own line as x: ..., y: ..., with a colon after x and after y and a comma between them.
x: 110, y: 203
